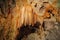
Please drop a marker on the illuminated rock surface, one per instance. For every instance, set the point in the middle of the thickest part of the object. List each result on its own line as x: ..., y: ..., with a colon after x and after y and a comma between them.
x: 29, y: 20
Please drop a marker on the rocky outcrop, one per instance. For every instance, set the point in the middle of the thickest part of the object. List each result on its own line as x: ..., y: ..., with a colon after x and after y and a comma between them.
x: 29, y: 20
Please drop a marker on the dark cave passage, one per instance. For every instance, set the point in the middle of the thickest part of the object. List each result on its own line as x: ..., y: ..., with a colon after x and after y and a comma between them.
x: 26, y: 30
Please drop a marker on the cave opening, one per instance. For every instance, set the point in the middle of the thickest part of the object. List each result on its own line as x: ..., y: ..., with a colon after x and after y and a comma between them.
x: 26, y: 30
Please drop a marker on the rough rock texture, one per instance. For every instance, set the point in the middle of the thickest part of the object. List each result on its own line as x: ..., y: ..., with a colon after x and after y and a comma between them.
x: 51, y: 32
x: 44, y: 24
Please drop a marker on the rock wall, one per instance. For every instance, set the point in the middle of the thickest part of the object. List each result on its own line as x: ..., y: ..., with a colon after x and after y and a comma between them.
x: 29, y: 20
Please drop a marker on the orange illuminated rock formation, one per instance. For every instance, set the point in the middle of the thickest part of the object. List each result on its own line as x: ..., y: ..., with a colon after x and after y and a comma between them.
x: 25, y: 13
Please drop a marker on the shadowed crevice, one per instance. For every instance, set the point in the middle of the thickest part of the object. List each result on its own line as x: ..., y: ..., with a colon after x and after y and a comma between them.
x: 26, y: 30
x: 6, y: 6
